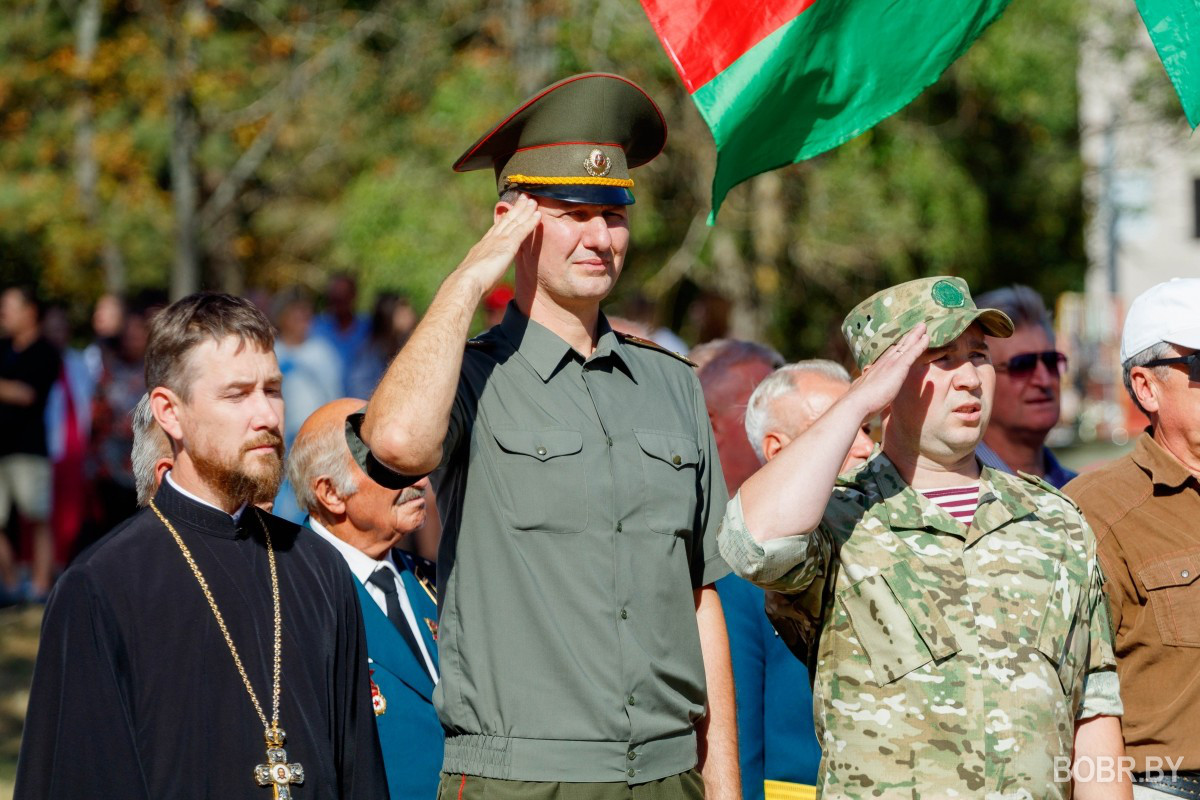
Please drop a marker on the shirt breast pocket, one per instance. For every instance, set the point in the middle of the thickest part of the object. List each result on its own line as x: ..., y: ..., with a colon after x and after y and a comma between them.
x: 669, y: 467
x: 1175, y: 597
x: 896, y: 622
x: 540, y: 480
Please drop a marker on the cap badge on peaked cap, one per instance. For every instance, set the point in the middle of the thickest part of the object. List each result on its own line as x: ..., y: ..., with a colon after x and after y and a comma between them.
x: 575, y: 141
x: 947, y: 295
x: 597, y: 164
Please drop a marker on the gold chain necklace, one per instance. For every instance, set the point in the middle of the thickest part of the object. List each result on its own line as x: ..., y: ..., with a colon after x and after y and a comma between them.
x: 277, y: 772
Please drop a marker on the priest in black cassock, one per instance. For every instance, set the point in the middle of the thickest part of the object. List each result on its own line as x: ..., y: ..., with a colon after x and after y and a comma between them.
x: 204, y: 648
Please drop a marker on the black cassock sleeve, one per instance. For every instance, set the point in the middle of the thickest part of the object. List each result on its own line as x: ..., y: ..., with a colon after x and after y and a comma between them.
x: 360, y: 762
x: 78, y: 739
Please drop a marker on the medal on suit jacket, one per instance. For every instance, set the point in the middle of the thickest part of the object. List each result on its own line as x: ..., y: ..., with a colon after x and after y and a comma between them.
x: 425, y: 584
x: 378, y: 701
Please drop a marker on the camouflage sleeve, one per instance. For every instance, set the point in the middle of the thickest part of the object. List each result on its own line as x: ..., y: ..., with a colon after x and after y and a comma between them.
x: 1100, y: 655
x: 1101, y: 689
x: 1101, y: 695
x: 788, y: 564
x: 1119, y: 583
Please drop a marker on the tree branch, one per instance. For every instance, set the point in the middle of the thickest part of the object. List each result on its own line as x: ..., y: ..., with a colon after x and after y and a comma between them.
x: 282, y: 99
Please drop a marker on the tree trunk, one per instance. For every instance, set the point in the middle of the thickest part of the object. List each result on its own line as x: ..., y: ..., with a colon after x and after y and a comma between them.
x: 746, y: 285
x: 531, y: 39
x: 185, y: 136
x: 768, y: 234
x: 732, y: 279
x: 228, y: 269
x: 87, y: 171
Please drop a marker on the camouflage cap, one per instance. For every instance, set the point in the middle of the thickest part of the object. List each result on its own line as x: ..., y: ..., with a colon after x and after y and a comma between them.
x: 943, y: 303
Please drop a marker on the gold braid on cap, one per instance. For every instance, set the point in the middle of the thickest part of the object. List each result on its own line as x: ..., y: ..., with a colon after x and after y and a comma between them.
x: 532, y: 180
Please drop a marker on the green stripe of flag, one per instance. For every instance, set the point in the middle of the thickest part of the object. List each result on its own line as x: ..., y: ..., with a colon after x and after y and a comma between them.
x: 828, y: 75
x: 1174, y: 27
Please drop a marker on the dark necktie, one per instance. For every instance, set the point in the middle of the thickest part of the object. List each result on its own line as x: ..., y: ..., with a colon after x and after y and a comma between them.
x: 385, y: 580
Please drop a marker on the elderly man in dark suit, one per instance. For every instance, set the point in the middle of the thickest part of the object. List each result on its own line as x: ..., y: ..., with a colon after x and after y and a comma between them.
x: 365, y: 522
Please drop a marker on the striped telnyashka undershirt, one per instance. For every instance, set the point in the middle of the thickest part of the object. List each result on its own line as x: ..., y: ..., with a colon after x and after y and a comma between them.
x: 959, y: 502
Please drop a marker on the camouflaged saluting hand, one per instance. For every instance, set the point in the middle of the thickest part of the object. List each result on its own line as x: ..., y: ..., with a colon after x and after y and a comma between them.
x: 952, y: 615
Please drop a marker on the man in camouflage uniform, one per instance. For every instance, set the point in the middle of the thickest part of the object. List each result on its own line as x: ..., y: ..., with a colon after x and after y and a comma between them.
x: 953, y: 654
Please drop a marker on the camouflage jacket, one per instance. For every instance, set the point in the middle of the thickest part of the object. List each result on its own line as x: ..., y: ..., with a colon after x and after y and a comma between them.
x: 947, y: 661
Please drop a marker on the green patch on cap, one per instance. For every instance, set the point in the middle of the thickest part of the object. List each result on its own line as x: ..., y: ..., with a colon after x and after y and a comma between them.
x: 947, y: 295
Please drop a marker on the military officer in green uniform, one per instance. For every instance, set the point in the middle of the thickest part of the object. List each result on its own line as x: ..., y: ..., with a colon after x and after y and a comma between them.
x: 952, y: 615
x: 582, y: 646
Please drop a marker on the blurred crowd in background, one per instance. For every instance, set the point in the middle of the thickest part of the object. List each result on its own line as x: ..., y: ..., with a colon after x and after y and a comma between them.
x: 66, y: 469
x: 68, y: 452
x: 66, y: 409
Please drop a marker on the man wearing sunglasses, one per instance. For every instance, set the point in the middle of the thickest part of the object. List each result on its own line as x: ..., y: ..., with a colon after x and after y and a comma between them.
x: 1028, y: 381
x: 1145, y: 510
x: 952, y: 615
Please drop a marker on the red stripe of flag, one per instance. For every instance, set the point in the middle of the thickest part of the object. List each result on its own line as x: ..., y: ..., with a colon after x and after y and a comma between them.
x: 703, y: 37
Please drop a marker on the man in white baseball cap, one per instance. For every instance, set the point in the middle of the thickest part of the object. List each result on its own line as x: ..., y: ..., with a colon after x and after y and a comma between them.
x: 1145, y: 510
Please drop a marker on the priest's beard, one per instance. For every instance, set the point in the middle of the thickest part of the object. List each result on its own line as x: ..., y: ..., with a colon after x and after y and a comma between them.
x: 244, y: 478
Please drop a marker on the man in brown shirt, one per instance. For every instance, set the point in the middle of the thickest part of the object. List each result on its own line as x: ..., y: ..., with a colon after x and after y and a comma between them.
x: 1145, y: 511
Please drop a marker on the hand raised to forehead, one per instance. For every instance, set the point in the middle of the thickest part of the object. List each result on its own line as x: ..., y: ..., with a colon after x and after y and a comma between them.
x: 488, y: 260
x: 880, y: 382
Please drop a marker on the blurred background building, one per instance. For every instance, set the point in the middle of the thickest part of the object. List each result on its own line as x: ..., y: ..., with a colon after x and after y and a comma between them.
x: 1141, y: 179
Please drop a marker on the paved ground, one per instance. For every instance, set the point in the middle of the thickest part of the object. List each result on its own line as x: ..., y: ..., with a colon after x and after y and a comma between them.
x: 18, y: 645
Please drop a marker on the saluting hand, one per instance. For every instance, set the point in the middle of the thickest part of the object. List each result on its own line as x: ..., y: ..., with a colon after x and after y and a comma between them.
x: 880, y: 382
x: 488, y: 260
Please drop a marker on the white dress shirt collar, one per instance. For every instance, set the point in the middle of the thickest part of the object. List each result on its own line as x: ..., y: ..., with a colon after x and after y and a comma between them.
x: 361, y: 564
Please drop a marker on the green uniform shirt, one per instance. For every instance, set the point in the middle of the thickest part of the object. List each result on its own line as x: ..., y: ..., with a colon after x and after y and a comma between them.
x: 580, y: 501
x: 949, y: 660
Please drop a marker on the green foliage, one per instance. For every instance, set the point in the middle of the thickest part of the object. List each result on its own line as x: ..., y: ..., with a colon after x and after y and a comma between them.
x: 334, y: 124
x: 980, y: 177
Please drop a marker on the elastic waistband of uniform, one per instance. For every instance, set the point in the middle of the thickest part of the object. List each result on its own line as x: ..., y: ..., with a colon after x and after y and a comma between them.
x: 568, y: 761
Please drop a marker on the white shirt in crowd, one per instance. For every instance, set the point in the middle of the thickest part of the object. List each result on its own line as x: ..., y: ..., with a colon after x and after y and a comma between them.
x: 363, y: 566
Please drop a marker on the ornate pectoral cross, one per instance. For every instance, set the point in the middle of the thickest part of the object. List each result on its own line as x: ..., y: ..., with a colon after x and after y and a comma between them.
x: 277, y: 772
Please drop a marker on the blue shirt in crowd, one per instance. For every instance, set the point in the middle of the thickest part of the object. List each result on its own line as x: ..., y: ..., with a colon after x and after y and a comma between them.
x: 776, y: 739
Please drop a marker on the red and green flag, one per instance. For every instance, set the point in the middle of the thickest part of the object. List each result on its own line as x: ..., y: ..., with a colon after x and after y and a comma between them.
x: 1174, y: 27
x: 779, y: 81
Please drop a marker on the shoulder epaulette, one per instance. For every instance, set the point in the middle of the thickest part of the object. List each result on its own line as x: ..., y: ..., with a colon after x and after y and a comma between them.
x: 629, y: 338
x: 428, y: 568
x: 424, y: 570
x: 1044, y: 485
